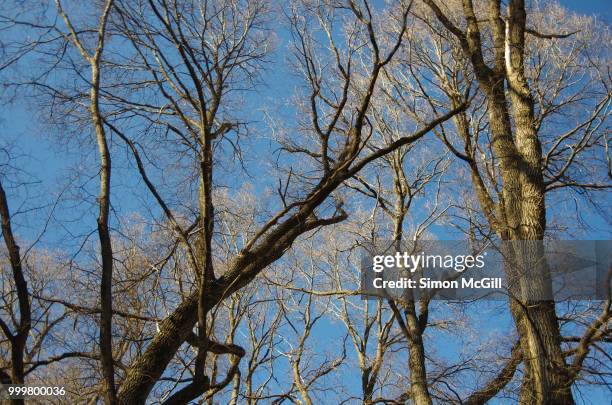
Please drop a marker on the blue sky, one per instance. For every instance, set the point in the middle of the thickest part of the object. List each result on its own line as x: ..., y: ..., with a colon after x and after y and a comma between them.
x: 600, y: 7
x: 49, y: 163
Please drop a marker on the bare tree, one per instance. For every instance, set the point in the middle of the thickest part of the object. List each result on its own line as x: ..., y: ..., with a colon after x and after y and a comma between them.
x: 297, y: 217
x: 495, y: 45
x: 223, y: 249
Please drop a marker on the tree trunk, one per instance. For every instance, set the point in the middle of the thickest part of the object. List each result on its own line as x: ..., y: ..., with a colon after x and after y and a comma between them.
x: 19, y: 339
x: 412, y: 329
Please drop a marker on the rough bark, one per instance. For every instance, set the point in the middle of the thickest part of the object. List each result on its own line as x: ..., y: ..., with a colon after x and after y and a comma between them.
x: 522, y: 214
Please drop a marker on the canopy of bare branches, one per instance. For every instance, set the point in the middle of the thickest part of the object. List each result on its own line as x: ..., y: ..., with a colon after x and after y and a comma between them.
x: 185, y: 186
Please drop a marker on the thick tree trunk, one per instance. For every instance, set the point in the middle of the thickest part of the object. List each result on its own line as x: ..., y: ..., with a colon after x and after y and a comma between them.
x: 149, y: 366
x: 524, y: 212
x: 542, y: 346
x: 521, y: 214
